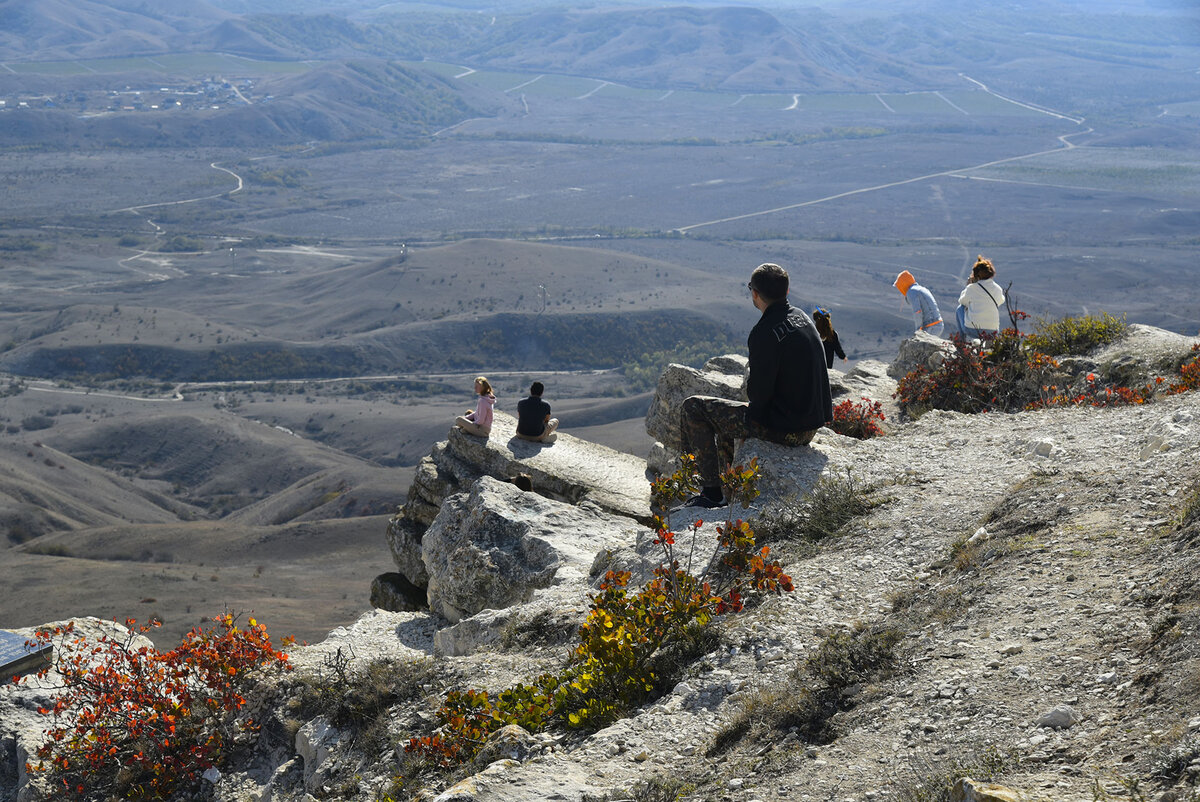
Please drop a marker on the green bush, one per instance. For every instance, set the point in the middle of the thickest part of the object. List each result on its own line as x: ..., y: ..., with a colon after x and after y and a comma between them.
x: 643, y: 371
x: 34, y: 423
x: 181, y: 244
x: 1076, y: 336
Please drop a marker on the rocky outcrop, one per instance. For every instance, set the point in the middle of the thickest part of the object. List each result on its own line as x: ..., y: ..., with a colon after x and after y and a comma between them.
x: 922, y: 350
x: 493, y: 547
x: 1140, y: 354
x: 722, y: 377
x: 576, y: 484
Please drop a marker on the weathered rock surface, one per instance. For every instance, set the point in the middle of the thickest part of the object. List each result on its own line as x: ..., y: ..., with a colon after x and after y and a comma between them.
x: 1154, y: 350
x: 920, y: 350
x: 722, y: 377
x: 495, y: 546
x: 967, y: 790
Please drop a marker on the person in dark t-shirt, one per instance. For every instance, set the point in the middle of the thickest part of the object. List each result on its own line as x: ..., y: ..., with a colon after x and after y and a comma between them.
x: 533, y: 416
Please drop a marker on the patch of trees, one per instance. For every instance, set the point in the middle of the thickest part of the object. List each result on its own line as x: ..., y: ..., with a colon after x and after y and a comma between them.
x: 290, y: 177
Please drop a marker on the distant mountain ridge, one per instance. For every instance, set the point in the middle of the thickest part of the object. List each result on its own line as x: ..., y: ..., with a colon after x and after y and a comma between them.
x: 863, y: 48
x: 711, y: 48
x: 66, y: 29
x: 718, y: 47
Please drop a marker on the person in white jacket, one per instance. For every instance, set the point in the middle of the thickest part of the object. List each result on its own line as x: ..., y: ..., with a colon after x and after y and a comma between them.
x: 979, y: 303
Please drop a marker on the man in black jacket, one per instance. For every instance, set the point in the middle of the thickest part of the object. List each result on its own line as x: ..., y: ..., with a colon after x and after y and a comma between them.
x: 788, y: 388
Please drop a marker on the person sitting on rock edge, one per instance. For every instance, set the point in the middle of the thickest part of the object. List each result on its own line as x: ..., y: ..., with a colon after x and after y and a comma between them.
x: 533, y: 417
x: 978, y: 310
x: 788, y: 388
x: 926, y: 314
x: 478, y: 421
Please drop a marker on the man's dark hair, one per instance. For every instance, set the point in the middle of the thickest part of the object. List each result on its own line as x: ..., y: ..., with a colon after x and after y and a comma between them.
x: 536, y: 388
x: 770, y: 281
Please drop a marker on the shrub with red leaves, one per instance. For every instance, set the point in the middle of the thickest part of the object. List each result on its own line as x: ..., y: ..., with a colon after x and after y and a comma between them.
x: 858, y: 419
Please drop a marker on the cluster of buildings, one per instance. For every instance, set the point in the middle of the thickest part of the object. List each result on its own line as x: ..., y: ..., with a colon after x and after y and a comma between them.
x: 213, y: 93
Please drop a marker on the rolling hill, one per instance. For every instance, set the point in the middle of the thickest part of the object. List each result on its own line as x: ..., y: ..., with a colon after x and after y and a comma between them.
x: 744, y: 49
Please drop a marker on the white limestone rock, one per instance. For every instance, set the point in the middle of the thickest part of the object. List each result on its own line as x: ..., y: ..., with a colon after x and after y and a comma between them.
x: 1059, y: 718
x: 569, y: 469
x: 494, y: 547
x: 868, y: 377
x: 968, y: 790
x: 679, y: 382
x: 728, y: 364
x: 1143, y: 351
x: 315, y: 742
x: 789, y: 471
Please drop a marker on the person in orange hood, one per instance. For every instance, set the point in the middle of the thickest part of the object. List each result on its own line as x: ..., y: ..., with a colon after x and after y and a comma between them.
x: 925, y: 310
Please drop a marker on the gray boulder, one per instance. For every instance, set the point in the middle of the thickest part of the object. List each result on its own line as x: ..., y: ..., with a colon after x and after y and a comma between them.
x: 1141, y: 354
x: 569, y: 470
x: 868, y: 378
x: 790, y: 472
x: 510, y: 742
x: 678, y: 382
x: 492, y: 548
x: 920, y: 350
x: 316, y: 741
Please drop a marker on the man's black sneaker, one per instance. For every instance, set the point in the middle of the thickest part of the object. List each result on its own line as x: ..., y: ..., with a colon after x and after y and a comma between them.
x: 704, y: 502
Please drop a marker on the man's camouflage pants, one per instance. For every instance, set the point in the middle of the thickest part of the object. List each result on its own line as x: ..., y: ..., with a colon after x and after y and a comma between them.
x: 710, y: 428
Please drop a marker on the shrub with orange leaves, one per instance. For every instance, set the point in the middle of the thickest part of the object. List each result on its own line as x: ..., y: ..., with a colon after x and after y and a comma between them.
x: 132, y: 722
x: 1189, y: 375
